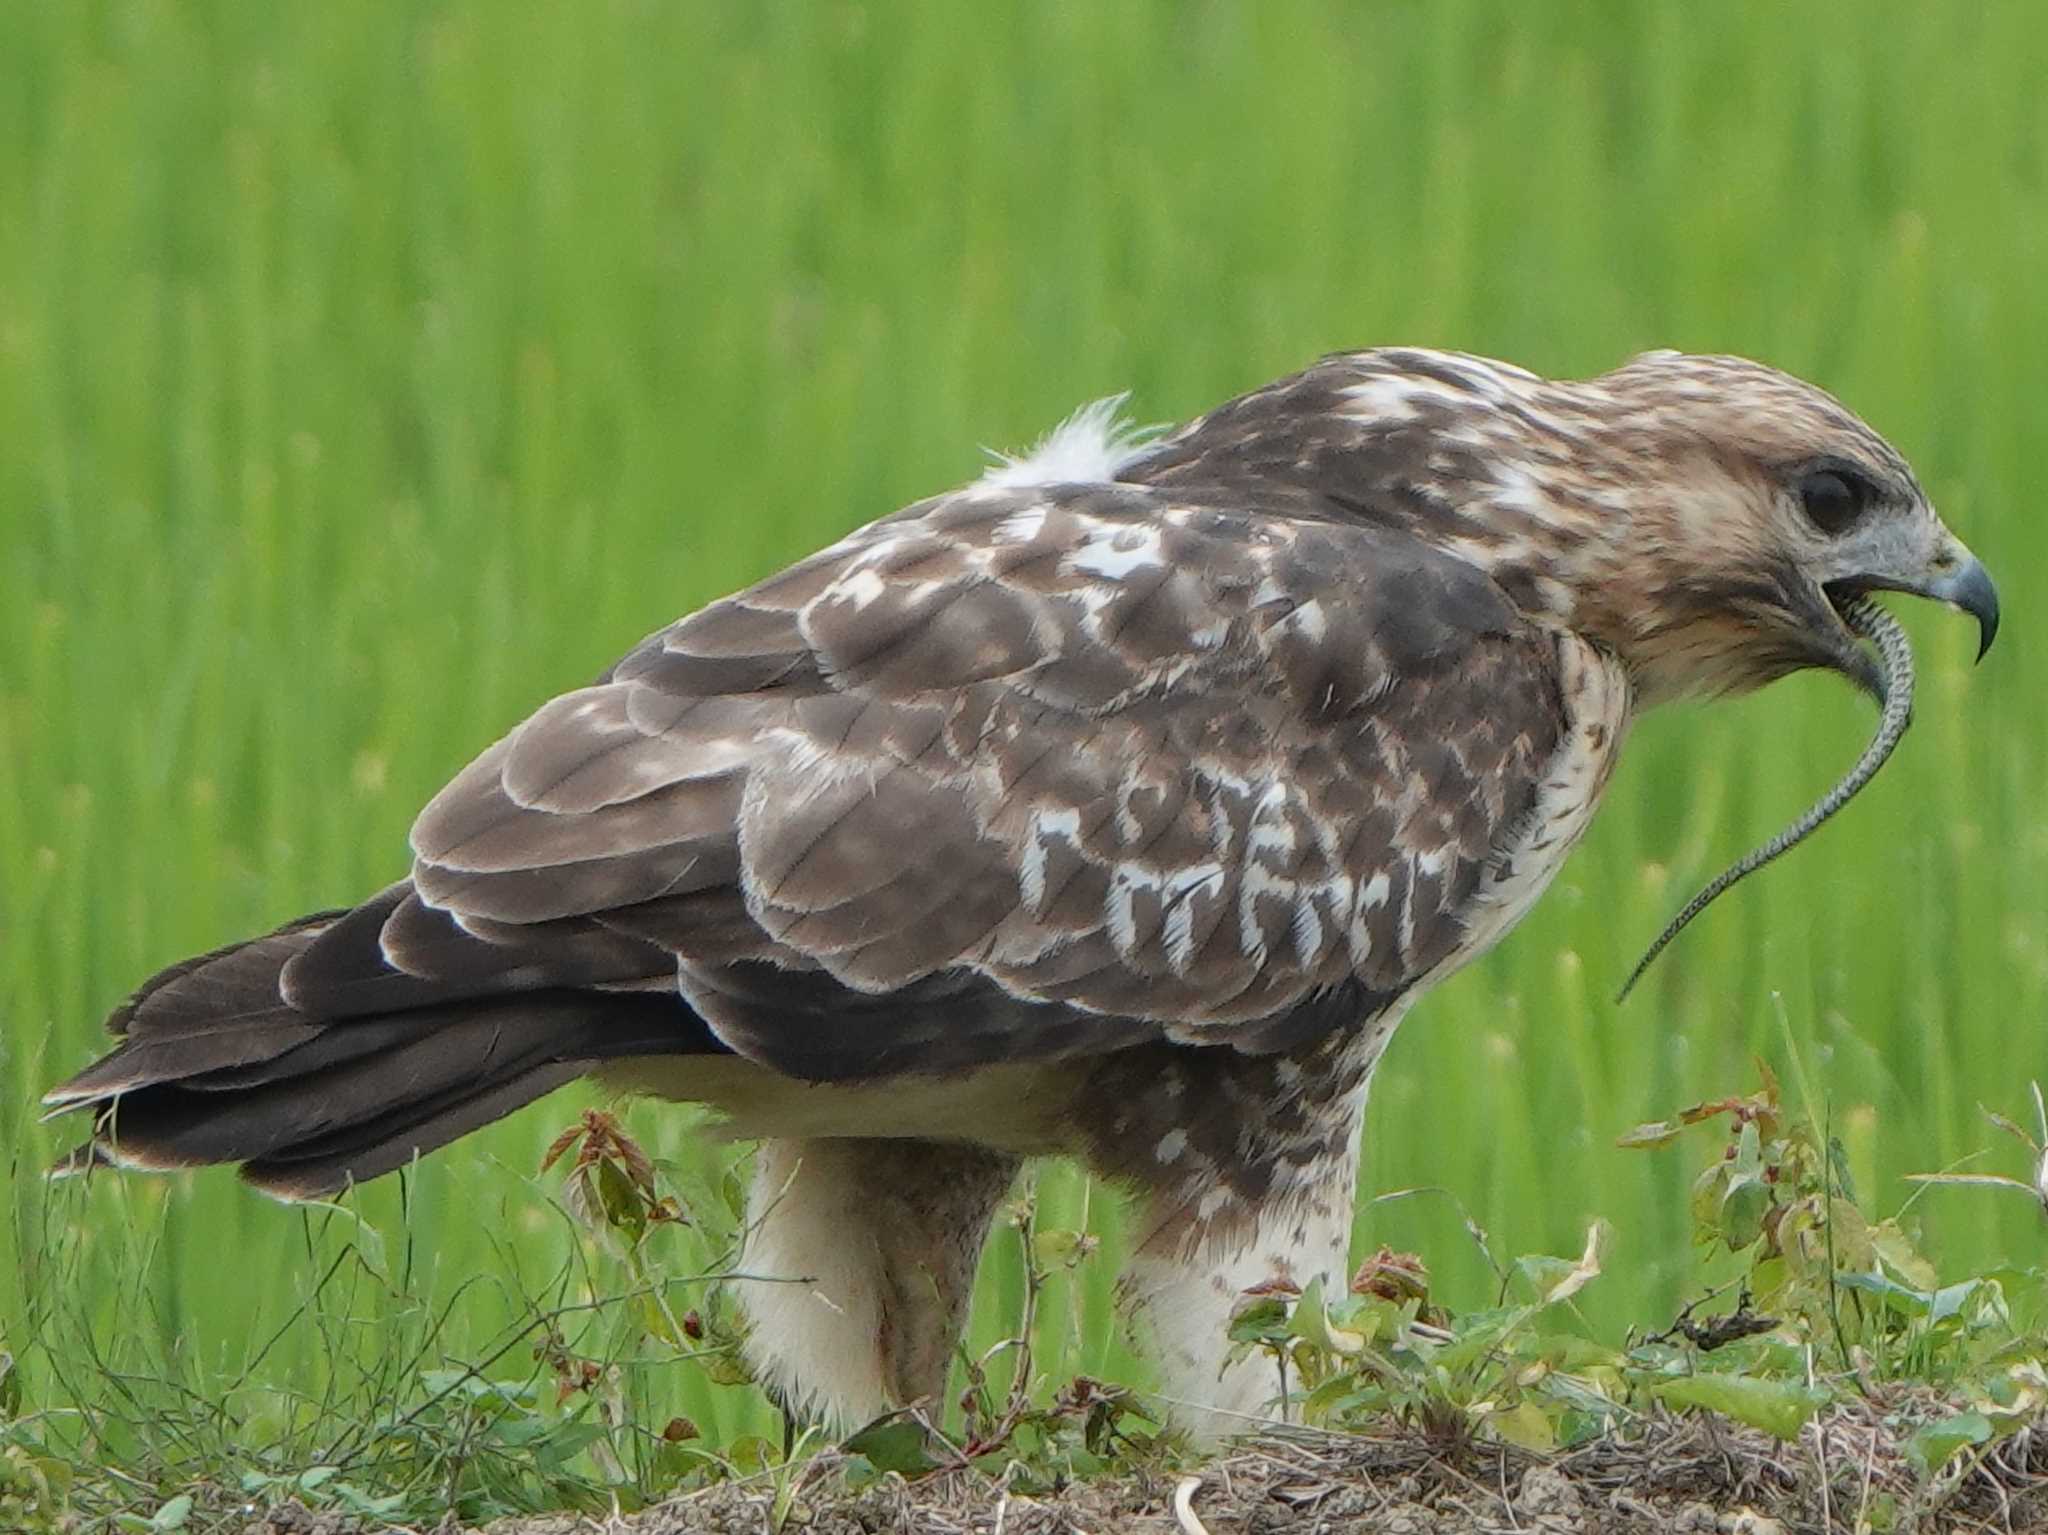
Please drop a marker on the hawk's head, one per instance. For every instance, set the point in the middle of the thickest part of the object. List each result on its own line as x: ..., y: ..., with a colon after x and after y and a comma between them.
x: 1727, y: 510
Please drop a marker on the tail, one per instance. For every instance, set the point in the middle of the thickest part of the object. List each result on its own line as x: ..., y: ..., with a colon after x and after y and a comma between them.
x: 309, y: 1057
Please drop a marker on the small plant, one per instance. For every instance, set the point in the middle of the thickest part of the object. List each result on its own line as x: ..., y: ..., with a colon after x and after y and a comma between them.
x: 1807, y: 1303
x: 1828, y: 1303
x: 34, y: 1488
x: 1778, y: 1204
x: 1011, y: 1424
x: 1034, y: 1444
x: 611, y: 1191
x: 1387, y: 1349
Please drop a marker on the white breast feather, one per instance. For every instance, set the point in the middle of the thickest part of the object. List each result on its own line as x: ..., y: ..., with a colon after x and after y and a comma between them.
x: 1573, y: 781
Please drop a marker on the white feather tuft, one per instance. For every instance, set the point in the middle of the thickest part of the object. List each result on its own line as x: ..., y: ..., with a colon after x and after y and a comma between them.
x: 1091, y: 445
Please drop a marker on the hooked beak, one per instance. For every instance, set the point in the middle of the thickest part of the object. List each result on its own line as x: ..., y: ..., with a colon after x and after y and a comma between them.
x: 1957, y: 578
x: 1970, y: 589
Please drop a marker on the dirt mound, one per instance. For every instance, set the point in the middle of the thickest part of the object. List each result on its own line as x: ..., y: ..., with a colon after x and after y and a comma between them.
x: 1846, y: 1472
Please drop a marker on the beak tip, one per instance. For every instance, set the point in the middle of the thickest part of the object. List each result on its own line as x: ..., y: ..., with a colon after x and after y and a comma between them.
x: 1986, y: 615
x: 1974, y: 593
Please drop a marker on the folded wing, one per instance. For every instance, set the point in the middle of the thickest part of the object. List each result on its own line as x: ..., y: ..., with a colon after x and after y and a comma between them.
x: 1018, y: 772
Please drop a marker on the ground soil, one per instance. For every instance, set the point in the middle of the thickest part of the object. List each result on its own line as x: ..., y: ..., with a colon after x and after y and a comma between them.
x: 1688, y: 1476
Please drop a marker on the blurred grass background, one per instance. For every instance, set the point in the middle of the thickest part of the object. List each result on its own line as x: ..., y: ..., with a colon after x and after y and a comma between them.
x: 371, y: 372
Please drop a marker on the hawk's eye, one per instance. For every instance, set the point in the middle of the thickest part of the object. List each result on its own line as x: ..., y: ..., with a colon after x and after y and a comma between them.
x: 1834, y: 498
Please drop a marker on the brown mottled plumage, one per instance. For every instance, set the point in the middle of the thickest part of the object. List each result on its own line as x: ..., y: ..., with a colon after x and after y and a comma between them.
x: 1118, y: 804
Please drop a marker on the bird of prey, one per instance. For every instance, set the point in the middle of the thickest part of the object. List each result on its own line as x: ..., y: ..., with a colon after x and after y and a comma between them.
x: 1119, y: 804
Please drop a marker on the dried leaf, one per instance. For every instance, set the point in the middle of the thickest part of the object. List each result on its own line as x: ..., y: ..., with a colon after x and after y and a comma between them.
x: 560, y: 1144
x: 1585, y: 1271
x: 1277, y: 1285
x: 1558, y: 1279
x: 1704, y: 1111
x: 2037, y: 1193
x: 1392, y: 1276
x: 1770, y: 1094
x: 1657, y: 1132
x: 2009, y: 1128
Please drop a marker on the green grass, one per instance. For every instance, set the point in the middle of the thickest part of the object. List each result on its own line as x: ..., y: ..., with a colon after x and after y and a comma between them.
x: 369, y: 373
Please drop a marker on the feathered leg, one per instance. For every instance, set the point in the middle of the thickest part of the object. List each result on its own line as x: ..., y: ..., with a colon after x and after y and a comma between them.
x: 1247, y: 1165
x: 1187, y: 1278
x: 857, y: 1268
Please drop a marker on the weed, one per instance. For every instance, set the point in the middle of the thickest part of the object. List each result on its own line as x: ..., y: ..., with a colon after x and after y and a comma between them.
x: 1830, y: 1303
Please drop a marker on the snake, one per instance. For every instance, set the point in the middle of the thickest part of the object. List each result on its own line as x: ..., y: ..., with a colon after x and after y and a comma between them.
x: 1895, y: 698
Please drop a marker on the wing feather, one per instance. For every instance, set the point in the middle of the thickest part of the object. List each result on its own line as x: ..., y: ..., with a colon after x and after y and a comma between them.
x: 1030, y: 770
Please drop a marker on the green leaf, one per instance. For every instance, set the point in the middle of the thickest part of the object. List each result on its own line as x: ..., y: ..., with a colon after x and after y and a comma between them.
x: 1704, y: 1204
x: 752, y: 1455
x: 1942, y: 1305
x: 1341, y: 1394
x: 1749, y: 1151
x: 1581, y: 1396
x: 1849, y: 1233
x: 1777, y: 1407
x: 1952, y: 1300
x: 1479, y: 1333
x: 1770, y: 1279
x: 1900, y: 1298
x: 655, y: 1322
x: 1838, y: 1166
x: 353, y: 1499
x: 895, y: 1444
x: 1374, y: 1317
x: 1527, y: 1426
x: 621, y: 1201
x: 1898, y: 1253
x: 1543, y: 1273
x: 172, y: 1515
x: 1311, y: 1322
x: 1933, y: 1444
x: 1264, y: 1321
x: 1743, y: 1209
x: 732, y: 1188
x: 564, y: 1442
x: 1569, y: 1351
x: 727, y: 1367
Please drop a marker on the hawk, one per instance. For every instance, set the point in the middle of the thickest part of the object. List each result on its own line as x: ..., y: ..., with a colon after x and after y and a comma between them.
x: 1119, y: 804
